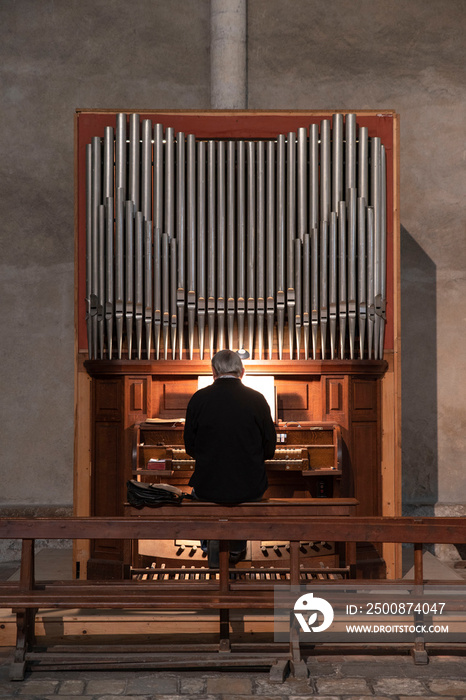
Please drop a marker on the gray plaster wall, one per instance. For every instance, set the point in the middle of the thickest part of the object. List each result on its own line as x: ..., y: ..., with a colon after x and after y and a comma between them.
x: 56, y: 55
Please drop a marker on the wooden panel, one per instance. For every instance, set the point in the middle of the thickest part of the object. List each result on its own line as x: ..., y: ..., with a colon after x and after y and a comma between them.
x: 82, y: 471
x: 108, y: 498
x: 137, y: 391
x: 365, y: 467
x: 107, y: 488
x: 391, y: 464
x: 335, y: 399
x: 108, y: 399
x: 174, y: 397
x: 298, y: 399
x: 364, y: 399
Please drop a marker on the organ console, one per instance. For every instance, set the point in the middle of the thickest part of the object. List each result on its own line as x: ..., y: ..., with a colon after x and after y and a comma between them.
x: 275, y: 233
x: 307, y: 465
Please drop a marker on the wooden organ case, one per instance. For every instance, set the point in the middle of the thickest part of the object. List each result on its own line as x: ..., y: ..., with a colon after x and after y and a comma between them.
x: 338, y: 419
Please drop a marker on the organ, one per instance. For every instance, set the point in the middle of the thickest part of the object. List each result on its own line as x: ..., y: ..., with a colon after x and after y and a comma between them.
x: 273, y: 232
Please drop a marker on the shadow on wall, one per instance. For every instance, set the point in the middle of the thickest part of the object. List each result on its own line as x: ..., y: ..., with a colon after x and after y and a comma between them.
x: 419, y: 379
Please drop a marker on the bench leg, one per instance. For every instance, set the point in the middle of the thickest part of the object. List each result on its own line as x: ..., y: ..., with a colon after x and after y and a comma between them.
x: 224, y: 643
x: 418, y: 652
x: 298, y: 667
x: 279, y: 670
x: 25, y: 623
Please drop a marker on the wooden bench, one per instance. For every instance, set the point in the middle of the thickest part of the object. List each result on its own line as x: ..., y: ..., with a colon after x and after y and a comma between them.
x: 249, y: 521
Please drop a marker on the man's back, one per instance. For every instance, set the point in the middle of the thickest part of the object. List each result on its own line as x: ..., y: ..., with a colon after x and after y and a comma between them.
x: 229, y: 432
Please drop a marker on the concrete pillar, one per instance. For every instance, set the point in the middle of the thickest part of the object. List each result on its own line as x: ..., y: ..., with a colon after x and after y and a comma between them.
x: 228, y: 54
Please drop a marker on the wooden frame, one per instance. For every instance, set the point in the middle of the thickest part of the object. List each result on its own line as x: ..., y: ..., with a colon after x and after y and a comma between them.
x: 236, y: 124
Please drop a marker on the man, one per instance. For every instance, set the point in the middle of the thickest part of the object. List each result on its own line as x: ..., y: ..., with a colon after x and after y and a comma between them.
x: 229, y: 431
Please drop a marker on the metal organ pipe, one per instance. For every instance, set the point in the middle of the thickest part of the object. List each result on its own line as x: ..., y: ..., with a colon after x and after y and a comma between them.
x: 241, y: 242
x: 139, y: 280
x: 158, y: 177
x: 290, y: 236
x: 101, y: 279
x: 191, y: 238
x: 134, y: 160
x: 260, y: 258
x: 231, y: 241
x: 157, y: 291
x: 270, y: 245
x: 109, y: 289
x: 337, y: 161
x: 148, y: 298
x: 201, y: 244
x: 181, y: 234
x: 89, y: 249
x: 376, y: 203
x: 306, y: 282
x: 221, y: 243
x: 333, y: 282
x: 383, y: 248
x: 179, y: 226
x: 251, y: 242
x: 280, y: 198
x: 211, y: 243
x: 146, y: 171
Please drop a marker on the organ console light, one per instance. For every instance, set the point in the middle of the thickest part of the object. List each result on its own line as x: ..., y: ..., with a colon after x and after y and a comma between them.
x: 273, y: 233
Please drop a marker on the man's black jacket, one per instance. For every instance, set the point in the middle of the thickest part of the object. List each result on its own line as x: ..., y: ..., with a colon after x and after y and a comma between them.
x: 229, y: 432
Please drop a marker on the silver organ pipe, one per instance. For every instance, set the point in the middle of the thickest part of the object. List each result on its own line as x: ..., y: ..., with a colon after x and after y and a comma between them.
x: 376, y: 203
x: 148, y: 294
x: 211, y: 243
x: 101, y: 279
x: 333, y: 282
x: 157, y: 291
x: 89, y: 249
x: 313, y: 177
x: 280, y: 199
x: 191, y: 238
x: 241, y: 241
x: 251, y: 242
x: 119, y: 272
x: 383, y: 248
x: 158, y: 177
x: 260, y: 264
x: 146, y: 171
x: 337, y: 160
x: 270, y: 245
x: 201, y: 245
x: 290, y: 235
x: 96, y: 237
x: 169, y: 183
x: 134, y: 160
x: 231, y: 242
x: 173, y: 296
x: 221, y: 244
x: 109, y: 282
x: 181, y: 234
x: 165, y: 293
x: 139, y: 280
x: 231, y: 234
x: 306, y: 295
x: 129, y: 274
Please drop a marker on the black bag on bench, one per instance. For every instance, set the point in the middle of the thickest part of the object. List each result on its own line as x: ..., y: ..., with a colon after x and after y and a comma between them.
x: 140, y: 494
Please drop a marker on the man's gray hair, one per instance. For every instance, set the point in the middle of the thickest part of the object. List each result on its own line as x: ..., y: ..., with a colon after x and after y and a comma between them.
x: 227, y: 362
